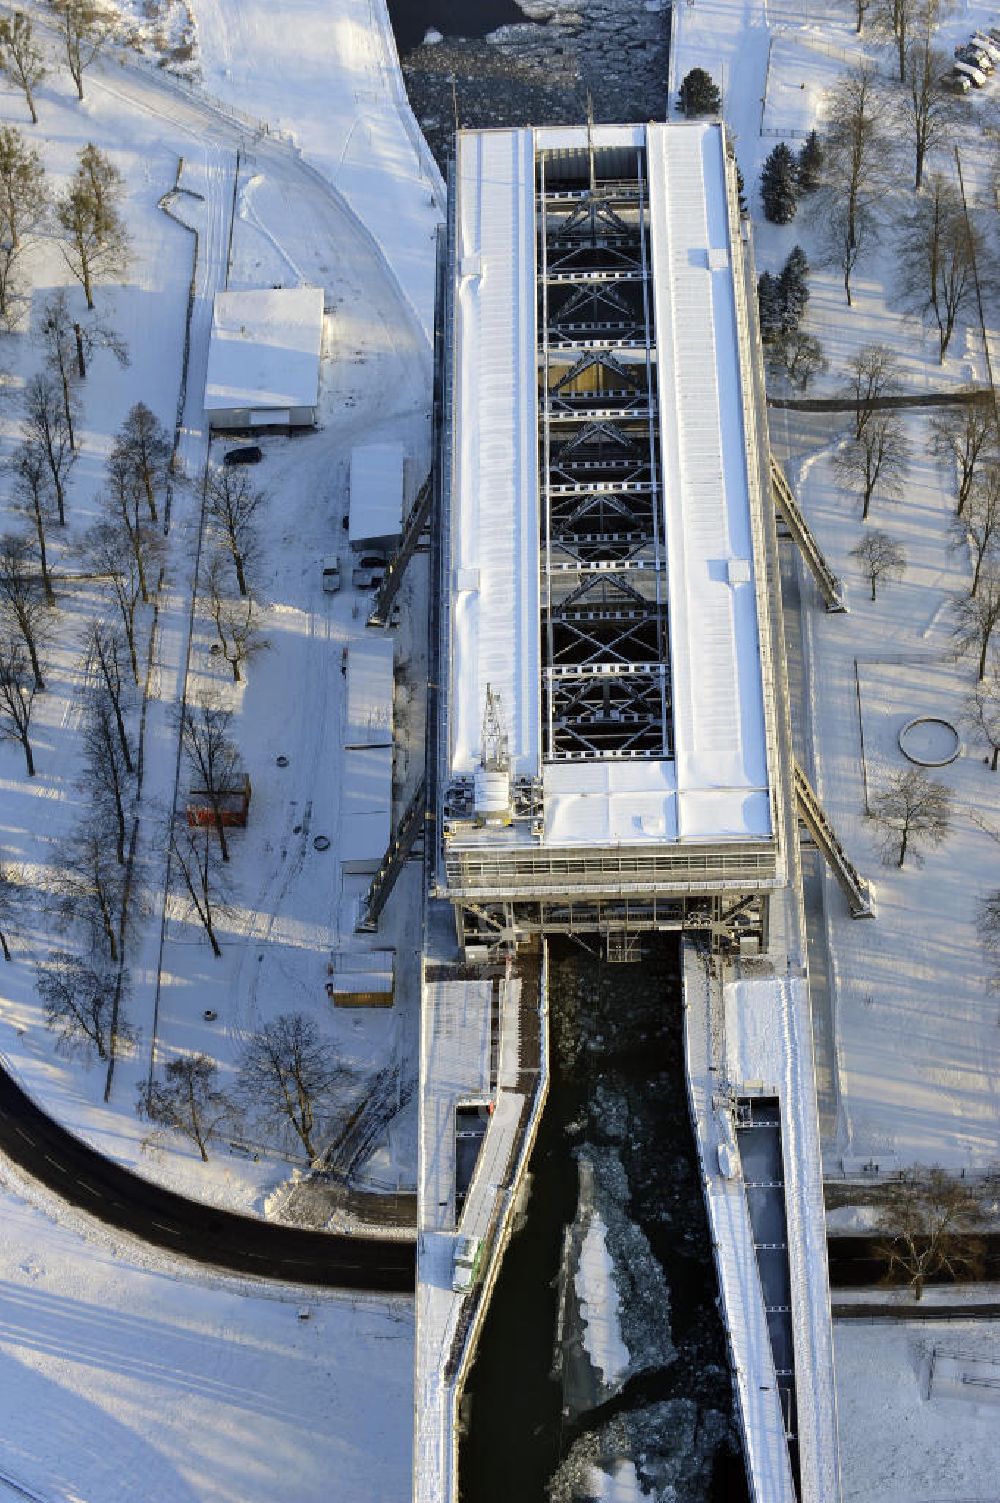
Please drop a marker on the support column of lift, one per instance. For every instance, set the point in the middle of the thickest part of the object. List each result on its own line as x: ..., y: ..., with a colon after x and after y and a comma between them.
x: 787, y: 507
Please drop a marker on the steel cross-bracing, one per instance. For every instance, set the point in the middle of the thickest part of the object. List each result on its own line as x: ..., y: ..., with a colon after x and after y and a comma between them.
x: 605, y: 660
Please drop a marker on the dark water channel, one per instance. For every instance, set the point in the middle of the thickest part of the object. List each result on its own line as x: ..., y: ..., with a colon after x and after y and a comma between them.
x: 617, y: 1087
x: 496, y: 66
x: 412, y: 19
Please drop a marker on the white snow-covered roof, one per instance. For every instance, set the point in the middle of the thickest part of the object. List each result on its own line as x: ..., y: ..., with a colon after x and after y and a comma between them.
x: 264, y: 350
x: 365, y: 806
x: 376, y: 505
x: 717, y: 784
x: 718, y: 699
x: 368, y: 701
x: 494, y: 520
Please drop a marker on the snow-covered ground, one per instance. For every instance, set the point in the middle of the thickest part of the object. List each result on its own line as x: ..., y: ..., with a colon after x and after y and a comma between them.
x: 123, y: 1378
x: 906, y: 1438
x: 289, y: 904
x: 327, y: 75
x: 917, y: 1056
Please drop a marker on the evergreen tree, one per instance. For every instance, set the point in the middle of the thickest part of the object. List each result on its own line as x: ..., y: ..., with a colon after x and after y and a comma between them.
x: 769, y: 303
x: 778, y: 181
x: 810, y: 164
x: 699, y: 94
x: 793, y: 289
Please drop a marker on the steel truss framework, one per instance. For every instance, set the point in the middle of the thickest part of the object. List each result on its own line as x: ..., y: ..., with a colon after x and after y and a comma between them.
x: 605, y: 663
x: 726, y: 920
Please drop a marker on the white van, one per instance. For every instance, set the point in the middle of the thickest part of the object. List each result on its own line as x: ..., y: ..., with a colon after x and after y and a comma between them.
x: 972, y: 74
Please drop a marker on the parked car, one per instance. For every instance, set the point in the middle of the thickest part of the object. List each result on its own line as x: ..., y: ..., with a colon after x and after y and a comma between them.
x: 373, y: 559
x: 249, y: 454
x: 366, y: 579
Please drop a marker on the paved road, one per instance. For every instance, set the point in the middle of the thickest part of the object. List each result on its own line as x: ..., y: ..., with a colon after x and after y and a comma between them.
x: 240, y: 1244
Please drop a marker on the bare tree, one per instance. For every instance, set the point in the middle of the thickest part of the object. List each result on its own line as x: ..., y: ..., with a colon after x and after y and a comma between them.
x: 853, y: 150
x: 24, y: 202
x: 988, y: 926
x: 982, y: 712
x: 925, y: 111
x: 189, y: 1101
x: 109, y: 553
x: 85, y: 29
x: 22, y: 61
x: 79, y: 1003
x: 123, y: 498
x: 45, y: 425
x: 289, y: 1078
x: 234, y: 621
x: 212, y: 755
x: 23, y: 606
x: 88, y: 890
x: 937, y: 257
x: 880, y: 556
x: 232, y: 503
x: 900, y: 21
x: 928, y: 1225
x: 105, y: 655
x: 106, y: 778
x: 799, y: 356
x: 144, y: 444
x: 17, y: 697
x: 964, y: 436
x: 197, y: 858
x: 877, y: 462
x: 94, y: 239
x: 68, y: 345
x: 12, y: 894
x: 910, y: 810
x: 975, y: 618
x: 31, y: 493
x: 872, y: 373
x: 979, y: 524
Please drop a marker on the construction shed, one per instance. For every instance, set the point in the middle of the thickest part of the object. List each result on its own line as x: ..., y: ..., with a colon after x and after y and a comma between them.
x: 361, y: 978
x: 365, y: 807
x: 376, y: 506
x: 369, y: 697
x: 264, y: 359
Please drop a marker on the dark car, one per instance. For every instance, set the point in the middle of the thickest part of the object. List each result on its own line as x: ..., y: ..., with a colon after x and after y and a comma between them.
x: 249, y: 455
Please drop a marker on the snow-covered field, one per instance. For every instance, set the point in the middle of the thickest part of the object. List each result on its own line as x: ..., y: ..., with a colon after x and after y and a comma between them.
x: 908, y: 1437
x: 124, y: 1377
x: 289, y: 904
x: 917, y: 1058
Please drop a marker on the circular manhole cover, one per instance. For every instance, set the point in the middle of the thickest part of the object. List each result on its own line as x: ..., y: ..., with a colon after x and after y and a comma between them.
x: 282, y: 761
x: 929, y: 741
x: 321, y: 843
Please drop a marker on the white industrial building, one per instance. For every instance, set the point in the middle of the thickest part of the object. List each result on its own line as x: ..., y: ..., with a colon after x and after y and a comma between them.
x: 378, y: 476
x: 613, y: 750
x: 607, y: 749
x: 368, y: 701
x: 264, y: 358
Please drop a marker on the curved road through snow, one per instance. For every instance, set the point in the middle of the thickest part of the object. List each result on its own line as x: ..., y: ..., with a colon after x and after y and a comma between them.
x: 222, y: 1239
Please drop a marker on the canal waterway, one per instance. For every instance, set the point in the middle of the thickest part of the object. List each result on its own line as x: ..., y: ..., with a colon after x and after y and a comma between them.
x: 533, y: 1425
x: 413, y: 19
x: 497, y: 63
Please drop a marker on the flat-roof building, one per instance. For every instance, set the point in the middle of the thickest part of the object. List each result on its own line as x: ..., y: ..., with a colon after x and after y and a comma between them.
x: 264, y: 358
x: 607, y: 750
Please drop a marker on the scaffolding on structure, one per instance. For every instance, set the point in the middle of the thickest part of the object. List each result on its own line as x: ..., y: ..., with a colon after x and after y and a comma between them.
x: 603, y: 578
